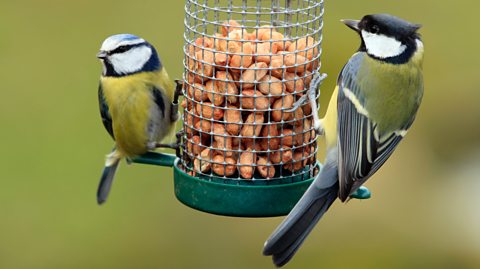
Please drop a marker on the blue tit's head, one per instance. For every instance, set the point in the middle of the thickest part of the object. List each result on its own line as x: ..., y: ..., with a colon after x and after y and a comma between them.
x: 386, y: 37
x: 126, y: 54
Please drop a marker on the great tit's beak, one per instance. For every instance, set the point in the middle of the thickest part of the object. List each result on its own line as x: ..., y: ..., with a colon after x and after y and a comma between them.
x: 353, y: 24
x: 102, y: 54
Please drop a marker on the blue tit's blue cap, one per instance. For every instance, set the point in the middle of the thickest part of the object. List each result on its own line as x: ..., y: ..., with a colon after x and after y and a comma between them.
x: 120, y: 39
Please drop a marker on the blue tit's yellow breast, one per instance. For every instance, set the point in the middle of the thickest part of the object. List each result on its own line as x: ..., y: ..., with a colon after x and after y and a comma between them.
x: 129, y: 100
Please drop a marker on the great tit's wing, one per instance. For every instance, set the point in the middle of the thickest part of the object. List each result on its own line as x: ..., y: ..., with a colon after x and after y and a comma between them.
x: 104, y: 112
x: 361, y: 149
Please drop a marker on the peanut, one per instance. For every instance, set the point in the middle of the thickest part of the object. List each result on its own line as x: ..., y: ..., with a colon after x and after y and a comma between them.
x: 265, y: 51
x: 252, y: 126
x: 242, y: 57
x: 202, y: 162
x: 224, y: 166
x: 265, y: 168
x: 204, y: 42
x: 279, y: 107
x: 203, y: 126
x: 293, y: 83
x: 287, y: 137
x: 199, y: 92
x: 207, y: 110
x: 252, y: 99
x: 229, y: 26
x: 222, y: 86
x: 296, y: 163
x: 274, y: 37
x: 253, y: 74
x: 271, y: 85
x: 247, y: 159
x: 214, y: 94
x: 295, y: 63
x: 270, y: 140
x: 233, y: 117
x: 305, y: 46
x: 284, y: 155
x: 223, y: 140
x: 203, y: 65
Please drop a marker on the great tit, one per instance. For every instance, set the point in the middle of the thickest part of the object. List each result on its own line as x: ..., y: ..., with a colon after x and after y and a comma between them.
x: 374, y: 104
x: 135, y: 97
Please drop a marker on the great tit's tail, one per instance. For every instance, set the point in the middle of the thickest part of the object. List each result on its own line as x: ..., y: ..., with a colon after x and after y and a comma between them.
x: 290, y: 234
x: 111, y: 165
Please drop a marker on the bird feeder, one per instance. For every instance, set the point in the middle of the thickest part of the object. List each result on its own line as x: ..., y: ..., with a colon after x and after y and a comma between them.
x: 245, y: 149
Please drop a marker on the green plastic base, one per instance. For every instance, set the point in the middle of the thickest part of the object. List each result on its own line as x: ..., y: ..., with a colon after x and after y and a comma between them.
x: 237, y: 200
x: 228, y: 197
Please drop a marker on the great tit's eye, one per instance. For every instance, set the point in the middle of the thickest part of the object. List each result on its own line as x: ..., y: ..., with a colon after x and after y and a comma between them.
x: 375, y: 29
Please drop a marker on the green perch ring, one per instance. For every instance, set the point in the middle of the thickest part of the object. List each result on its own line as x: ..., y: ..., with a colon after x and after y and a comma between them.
x: 255, y: 199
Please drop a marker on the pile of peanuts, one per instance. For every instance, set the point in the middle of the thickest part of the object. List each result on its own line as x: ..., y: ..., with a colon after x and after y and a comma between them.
x: 238, y: 88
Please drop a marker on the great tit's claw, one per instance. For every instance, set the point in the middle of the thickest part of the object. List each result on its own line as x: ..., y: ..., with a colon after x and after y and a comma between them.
x: 300, y: 102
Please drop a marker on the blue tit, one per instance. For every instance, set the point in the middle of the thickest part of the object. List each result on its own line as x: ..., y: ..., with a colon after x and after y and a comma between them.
x: 135, y: 97
x: 374, y: 104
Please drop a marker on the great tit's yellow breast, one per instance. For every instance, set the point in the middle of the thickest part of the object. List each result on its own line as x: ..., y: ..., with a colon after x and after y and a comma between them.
x: 129, y: 100
x: 329, y: 122
x: 392, y: 92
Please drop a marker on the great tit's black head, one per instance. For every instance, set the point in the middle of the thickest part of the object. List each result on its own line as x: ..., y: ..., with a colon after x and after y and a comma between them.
x: 386, y: 37
x: 126, y: 54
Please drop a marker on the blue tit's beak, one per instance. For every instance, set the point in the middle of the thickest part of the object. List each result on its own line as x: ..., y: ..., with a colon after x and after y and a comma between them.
x: 102, y: 54
x: 353, y: 24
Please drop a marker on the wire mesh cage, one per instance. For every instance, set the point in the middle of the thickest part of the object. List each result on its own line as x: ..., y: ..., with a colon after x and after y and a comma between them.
x: 246, y: 63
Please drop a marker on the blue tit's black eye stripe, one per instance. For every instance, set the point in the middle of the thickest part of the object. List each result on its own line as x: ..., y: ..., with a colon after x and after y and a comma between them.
x: 124, y: 48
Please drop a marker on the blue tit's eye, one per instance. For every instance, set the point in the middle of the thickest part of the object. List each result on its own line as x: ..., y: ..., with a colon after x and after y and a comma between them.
x: 121, y: 49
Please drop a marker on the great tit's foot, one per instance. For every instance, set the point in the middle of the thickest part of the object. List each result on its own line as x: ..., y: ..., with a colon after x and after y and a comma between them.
x: 361, y: 193
x: 300, y: 102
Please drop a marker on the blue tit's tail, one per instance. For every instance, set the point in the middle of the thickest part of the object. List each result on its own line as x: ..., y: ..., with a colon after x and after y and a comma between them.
x: 290, y: 234
x: 111, y: 165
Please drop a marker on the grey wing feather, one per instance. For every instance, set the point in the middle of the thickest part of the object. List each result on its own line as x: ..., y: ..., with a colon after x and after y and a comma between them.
x: 361, y: 151
x: 104, y: 112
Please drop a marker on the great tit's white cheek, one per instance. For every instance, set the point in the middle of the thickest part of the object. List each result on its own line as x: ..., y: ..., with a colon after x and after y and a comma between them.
x: 382, y: 46
x: 132, y: 60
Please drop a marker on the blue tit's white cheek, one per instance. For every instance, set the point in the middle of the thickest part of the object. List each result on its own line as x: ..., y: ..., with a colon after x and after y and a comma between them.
x: 382, y: 46
x: 130, y: 61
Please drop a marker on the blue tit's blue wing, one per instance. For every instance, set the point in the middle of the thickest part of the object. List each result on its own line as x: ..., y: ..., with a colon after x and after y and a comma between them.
x: 159, y: 99
x: 361, y: 150
x: 104, y: 112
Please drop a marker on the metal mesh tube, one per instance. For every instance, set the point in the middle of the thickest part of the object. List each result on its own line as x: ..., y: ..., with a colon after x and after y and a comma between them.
x: 246, y: 63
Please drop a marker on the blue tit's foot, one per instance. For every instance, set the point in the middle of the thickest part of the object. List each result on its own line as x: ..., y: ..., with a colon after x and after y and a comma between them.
x: 168, y: 146
x: 174, y: 115
x: 361, y: 193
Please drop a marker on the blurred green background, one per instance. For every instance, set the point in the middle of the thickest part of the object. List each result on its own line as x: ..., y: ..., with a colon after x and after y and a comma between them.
x: 424, y: 212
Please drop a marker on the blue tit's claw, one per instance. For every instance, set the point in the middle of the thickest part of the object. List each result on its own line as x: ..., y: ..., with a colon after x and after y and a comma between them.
x: 361, y: 193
